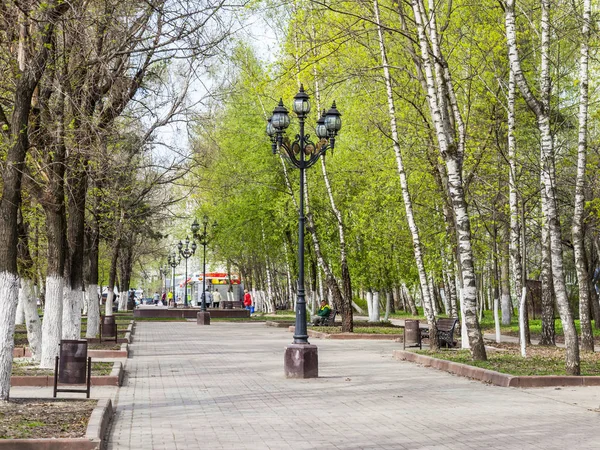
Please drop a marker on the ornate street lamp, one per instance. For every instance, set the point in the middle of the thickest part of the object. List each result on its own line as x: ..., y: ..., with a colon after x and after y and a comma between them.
x: 173, y: 261
x: 202, y: 238
x: 186, y: 253
x: 301, y: 359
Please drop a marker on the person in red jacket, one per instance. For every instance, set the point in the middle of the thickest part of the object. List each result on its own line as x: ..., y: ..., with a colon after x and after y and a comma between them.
x: 247, y: 300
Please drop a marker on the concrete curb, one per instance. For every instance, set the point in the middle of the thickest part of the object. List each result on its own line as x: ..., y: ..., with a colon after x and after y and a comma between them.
x: 351, y: 336
x: 495, y: 378
x: 93, y: 440
x: 123, y: 352
x: 114, y: 379
x: 272, y: 323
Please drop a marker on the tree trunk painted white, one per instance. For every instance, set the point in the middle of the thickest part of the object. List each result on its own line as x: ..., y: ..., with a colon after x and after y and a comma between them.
x: 123, y: 301
x: 522, y: 338
x: 71, y: 313
x: 20, y: 313
x: 376, y: 314
x: 358, y: 309
x: 412, y: 224
x: 9, y: 290
x: 52, y: 323
x: 497, y: 320
x: 93, y: 316
x: 388, y: 305
x: 110, y: 296
x: 541, y: 109
x: 370, y: 304
x: 32, y: 319
x: 587, y: 337
x: 84, y: 309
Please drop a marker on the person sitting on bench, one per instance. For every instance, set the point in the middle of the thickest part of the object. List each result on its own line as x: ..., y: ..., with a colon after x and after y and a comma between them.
x: 322, y: 314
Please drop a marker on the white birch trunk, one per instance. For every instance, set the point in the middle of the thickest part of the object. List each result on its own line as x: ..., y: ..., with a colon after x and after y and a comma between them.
x: 412, y: 225
x: 32, y: 319
x: 515, y: 231
x: 20, y: 313
x: 439, y: 91
x: 551, y: 218
x: 464, y: 343
x: 52, y: 323
x: 522, y: 337
x: 93, y: 316
x: 9, y: 291
x: 71, y: 313
x: 587, y: 338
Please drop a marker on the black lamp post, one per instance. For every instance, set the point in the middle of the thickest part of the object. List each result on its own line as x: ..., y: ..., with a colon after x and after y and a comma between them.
x: 163, y: 279
x: 173, y: 261
x: 302, y: 153
x: 202, y: 238
x: 186, y: 253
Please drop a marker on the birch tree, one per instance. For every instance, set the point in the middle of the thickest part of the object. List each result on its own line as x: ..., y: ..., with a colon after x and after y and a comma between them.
x: 541, y: 108
x: 587, y: 337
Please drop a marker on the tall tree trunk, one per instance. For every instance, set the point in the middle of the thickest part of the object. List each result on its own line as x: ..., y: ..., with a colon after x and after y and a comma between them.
x: 76, y: 194
x: 506, y: 302
x: 541, y: 109
x: 548, y: 336
x: 444, y: 112
x: 412, y: 224
x: 587, y: 337
x: 515, y: 227
x: 93, y: 315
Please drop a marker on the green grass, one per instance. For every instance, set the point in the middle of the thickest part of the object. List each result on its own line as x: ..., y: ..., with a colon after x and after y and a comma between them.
x: 541, y: 361
x: 26, y: 368
x: 366, y: 330
x: 160, y: 319
x: 535, y: 327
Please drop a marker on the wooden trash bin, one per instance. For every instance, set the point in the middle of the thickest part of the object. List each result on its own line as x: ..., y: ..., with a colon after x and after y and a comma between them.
x: 412, y: 334
x: 108, y: 329
x: 73, y: 366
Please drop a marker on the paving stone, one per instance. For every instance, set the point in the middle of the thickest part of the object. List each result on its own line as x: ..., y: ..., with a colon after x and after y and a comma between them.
x: 223, y: 387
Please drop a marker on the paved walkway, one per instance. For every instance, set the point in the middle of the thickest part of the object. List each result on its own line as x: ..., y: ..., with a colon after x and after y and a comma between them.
x: 222, y: 387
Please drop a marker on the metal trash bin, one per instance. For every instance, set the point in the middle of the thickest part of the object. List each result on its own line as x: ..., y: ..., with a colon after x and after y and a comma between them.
x: 108, y: 328
x: 412, y: 334
x: 73, y: 366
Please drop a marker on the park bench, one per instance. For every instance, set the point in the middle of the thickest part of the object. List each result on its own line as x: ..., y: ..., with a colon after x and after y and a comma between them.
x: 238, y: 304
x: 445, y: 331
x: 329, y: 321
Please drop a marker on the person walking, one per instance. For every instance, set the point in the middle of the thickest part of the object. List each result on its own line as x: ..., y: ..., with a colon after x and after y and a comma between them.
x: 170, y: 298
x: 216, y: 298
x: 247, y: 300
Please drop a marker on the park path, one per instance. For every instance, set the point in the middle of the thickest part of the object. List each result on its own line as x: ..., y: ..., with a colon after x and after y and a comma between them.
x: 222, y: 387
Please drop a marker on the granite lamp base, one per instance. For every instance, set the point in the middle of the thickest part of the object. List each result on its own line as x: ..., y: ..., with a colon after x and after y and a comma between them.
x: 203, y: 318
x: 301, y: 361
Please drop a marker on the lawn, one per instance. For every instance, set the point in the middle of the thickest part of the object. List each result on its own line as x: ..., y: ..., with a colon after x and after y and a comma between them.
x: 507, y: 359
x: 27, y: 368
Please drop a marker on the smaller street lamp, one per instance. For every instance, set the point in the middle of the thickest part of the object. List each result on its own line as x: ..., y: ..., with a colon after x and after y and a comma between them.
x: 203, y: 240
x: 173, y: 260
x: 186, y: 253
x: 163, y: 279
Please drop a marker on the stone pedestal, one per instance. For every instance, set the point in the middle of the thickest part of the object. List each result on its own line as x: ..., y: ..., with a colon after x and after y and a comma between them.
x: 301, y: 361
x: 203, y: 318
